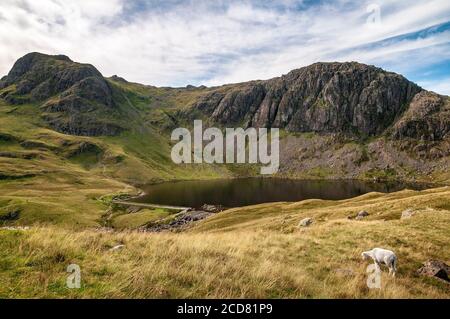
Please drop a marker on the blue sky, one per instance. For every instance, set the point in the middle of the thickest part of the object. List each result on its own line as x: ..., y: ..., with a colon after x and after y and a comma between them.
x: 178, y: 42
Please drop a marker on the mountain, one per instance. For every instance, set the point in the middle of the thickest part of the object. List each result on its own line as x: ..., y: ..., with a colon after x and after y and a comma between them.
x: 74, y: 98
x: 349, y: 98
x: 338, y: 120
x: 323, y: 97
x: 71, y: 140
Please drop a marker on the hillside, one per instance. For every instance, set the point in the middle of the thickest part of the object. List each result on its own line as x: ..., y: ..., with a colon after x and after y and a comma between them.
x: 250, y: 252
x: 69, y: 136
x: 71, y: 140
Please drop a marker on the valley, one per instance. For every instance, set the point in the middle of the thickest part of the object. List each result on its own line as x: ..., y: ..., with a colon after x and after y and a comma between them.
x: 73, y: 141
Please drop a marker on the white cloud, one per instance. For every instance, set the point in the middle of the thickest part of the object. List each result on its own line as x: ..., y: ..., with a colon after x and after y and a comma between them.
x: 212, y: 42
x: 441, y: 86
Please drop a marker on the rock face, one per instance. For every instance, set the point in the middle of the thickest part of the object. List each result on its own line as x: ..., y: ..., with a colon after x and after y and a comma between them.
x: 350, y: 98
x: 427, y: 118
x: 74, y: 97
x: 324, y: 97
x: 42, y: 76
x: 435, y: 268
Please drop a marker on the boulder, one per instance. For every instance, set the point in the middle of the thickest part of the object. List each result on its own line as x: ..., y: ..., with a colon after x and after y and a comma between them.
x: 10, y: 215
x: 407, y: 214
x: 362, y: 213
x: 435, y: 268
x: 305, y: 222
x: 117, y: 247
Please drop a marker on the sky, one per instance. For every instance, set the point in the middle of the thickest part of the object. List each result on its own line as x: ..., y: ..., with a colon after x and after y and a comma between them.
x: 204, y: 42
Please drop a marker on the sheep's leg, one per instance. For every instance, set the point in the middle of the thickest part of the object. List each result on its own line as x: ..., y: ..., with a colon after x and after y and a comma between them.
x: 394, y: 265
x: 391, y: 265
x: 394, y: 269
x: 388, y: 264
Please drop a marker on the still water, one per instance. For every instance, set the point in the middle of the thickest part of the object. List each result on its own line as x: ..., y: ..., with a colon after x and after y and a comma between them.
x: 248, y: 191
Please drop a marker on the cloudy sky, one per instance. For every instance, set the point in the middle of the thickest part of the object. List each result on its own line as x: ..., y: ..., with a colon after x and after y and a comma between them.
x: 177, y: 42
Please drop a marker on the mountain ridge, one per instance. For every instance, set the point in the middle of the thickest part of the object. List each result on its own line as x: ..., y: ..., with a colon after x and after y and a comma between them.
x: 325, y: 97
x: 57, y: 142
x: 322, y: 97
x: 337, y: 120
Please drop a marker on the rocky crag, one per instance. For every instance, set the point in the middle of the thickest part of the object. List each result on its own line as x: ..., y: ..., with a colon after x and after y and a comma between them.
x: 74, y: 98
x: 349, y: 98
x: 338, y: 120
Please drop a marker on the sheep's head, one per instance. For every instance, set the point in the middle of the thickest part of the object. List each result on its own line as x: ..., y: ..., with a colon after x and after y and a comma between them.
x: 365, y: 256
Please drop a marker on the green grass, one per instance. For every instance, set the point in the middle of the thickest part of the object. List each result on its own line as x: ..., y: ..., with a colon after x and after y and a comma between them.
x: 53, y: 179
x: 249, y: 252
x: 134, y: 220
x: 63, y: 190
x: 386, y: 174
x: 321, y: 172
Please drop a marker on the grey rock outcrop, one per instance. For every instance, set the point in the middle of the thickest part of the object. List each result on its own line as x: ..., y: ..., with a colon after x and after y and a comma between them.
x: 363, y: 213
x: 435, y: 268
x: 427, y: 118
x: 183, y: 219
x: 10, y: 215
x: 305, y: 222
x: 324, y: 97
x: 75, y: 98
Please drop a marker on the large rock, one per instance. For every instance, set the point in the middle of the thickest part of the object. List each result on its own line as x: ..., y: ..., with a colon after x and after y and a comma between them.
x: 10, y: 215
x: 323, y: 97
x: 362, y: 214
x: 435, y: 268
x: 305, y: 222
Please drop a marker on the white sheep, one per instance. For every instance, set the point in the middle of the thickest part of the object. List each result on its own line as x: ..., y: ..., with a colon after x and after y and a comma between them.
x: 382, y: 256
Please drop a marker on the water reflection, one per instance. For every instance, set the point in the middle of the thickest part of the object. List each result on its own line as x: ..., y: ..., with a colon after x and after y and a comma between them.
x: 248, y: 191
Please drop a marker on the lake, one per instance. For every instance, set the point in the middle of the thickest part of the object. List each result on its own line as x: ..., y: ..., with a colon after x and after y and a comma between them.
x: 248, y: 191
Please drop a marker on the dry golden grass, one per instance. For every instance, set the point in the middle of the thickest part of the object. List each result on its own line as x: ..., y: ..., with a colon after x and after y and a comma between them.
x: 256, y: 257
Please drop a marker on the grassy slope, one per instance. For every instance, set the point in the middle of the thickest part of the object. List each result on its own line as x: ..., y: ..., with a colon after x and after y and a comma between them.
x: 47, y: 182
x: 248, y: 252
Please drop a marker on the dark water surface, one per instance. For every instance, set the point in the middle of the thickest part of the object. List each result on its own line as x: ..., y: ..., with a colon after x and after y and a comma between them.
x: 248, y: 191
